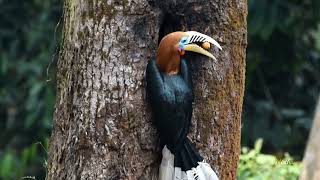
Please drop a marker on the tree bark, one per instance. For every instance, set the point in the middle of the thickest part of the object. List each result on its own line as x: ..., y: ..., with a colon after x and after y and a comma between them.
x: 311, y: 160
x: 102, y: 127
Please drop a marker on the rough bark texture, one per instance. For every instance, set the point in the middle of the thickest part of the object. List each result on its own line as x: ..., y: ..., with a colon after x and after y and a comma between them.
x: 311, y: 160
x: 102, y: 127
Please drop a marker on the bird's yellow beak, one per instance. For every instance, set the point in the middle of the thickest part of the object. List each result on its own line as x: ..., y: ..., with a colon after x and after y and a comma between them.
x: 198, y: 49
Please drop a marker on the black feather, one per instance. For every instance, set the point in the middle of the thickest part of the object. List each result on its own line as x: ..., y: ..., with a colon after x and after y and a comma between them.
x: 171, y: 101
x: 171, y: 97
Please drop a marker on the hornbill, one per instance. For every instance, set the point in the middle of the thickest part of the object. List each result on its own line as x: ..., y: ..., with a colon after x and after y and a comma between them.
x: 169, y: 89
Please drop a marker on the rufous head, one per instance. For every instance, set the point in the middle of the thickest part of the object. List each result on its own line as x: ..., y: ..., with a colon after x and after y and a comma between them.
x: 174, y: 45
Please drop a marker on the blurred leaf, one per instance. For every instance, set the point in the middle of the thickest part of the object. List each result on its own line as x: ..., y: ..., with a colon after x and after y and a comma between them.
x: 255, y: 165
x: 7, y: 165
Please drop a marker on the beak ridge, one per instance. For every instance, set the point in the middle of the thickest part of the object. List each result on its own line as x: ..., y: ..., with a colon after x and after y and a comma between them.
x: 195, y: 36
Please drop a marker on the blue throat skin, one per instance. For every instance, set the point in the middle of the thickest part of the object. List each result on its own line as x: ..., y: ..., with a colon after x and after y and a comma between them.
x: 170, y: 97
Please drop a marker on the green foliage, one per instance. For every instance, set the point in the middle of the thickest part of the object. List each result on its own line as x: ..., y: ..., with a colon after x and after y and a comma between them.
x: 257, y: 166
x: 27, y: 93
x: 283, y: 70
x: 14, y: 164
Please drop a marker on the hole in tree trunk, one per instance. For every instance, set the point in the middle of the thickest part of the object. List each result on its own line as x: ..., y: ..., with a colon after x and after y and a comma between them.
x: 170, y: 23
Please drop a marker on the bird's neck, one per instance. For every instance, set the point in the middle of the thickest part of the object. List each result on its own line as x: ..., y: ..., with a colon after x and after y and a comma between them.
x: 173, y: 65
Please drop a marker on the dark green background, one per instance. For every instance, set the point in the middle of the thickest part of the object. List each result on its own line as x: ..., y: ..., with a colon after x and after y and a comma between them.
x: 282, y: 83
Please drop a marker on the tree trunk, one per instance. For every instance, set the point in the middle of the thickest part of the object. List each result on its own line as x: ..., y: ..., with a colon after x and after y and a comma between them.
x: 102, y: 127
x: 311, y: 160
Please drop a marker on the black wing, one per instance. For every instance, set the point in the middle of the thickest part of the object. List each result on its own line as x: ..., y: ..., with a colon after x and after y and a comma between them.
x: 170, y: 98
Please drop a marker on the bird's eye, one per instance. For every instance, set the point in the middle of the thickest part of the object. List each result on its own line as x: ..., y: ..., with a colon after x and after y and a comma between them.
x: 183, y: 40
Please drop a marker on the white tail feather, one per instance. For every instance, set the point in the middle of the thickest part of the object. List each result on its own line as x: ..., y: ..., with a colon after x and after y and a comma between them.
x: 167, y: 170
x: 209, y: 173
x: 190, y: 175
x: 184, y: 175
x: 199, y: 172
x: 177, y: 173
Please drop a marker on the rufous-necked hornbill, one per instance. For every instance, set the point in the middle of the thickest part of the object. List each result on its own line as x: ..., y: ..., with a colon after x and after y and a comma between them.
x: 169, y: 89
